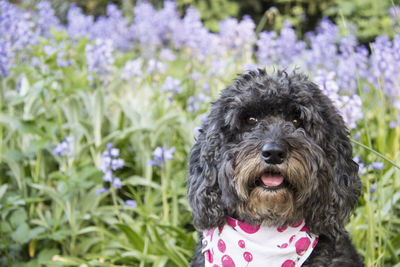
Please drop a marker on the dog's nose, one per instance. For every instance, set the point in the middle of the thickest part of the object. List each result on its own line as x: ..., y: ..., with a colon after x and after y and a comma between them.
x: 274, y: 153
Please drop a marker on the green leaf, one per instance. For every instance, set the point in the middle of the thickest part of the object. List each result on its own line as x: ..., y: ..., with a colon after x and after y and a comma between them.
x: 134, y: 238
x: 21, y: 234
x: 3, y: 190
x: 18, y: 217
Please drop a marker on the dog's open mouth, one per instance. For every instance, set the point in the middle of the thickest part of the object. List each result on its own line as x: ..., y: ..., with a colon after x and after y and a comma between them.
x: 271, y: 179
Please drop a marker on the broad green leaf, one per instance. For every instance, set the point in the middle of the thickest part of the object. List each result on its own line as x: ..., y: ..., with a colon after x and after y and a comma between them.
x: 21, y: 234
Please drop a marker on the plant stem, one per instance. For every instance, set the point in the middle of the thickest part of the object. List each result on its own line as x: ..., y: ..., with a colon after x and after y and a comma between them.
x: 36, y: 179
x: 164, y: 188
x: 114, y: 198
x: 376, y: 153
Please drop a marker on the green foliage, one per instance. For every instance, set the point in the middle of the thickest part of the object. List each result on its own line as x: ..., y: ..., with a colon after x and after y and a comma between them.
x: 370, y: 18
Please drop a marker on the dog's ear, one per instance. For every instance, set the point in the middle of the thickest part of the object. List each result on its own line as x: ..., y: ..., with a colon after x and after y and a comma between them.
x: 347, y: 184
x: 204, y: 194
x: 340, y: 175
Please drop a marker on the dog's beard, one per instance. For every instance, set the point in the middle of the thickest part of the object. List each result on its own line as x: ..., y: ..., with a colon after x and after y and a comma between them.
x: 272, y: 205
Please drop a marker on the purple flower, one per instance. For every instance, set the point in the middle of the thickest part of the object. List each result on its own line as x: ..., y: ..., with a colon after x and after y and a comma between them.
x: 79, y: 25
x: 236, y: 35
x: 161, y: 155
x: 132, y: 68
x: 377, y: 165
x: 107, y: 176
x: 191, y: 33
x: 99, y: 57
x: 385, y: 65
x: 393, y: 124
x: 131, y: 203
x: 113, y: 27
x: 282, y: 50
x: 6, y: 57
x: 101, y: 191
x: 109, y: 163
x: 373, y: 188
x: 171, y: 85
x: 350, y: 107
x: 195, y: 101
x: 46, y: 19
x: 167, y: 54
x: 117, y: 183
x: 361, y: 165
x: 155, y: 66
x: 65, y: 148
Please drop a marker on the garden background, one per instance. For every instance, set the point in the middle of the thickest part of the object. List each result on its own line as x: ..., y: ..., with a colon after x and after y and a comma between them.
x: 101, y: 102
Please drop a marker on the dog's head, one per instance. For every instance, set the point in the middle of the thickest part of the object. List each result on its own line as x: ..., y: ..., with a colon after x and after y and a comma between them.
x: 273, y: 150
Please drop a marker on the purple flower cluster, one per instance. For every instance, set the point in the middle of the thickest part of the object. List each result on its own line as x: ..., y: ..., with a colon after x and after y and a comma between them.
x: 195, y: 101
x: 46, y: 19
x: 350, y: 106
x: 65, y: 148
x: 282, y: 50
x: 237, y: 36
x: 132, y: 68
x: 111, y: 162
x: 99, y: 57
x: 19, y: 29
x: 171, y: 85
x: 385, y: 65
x: 79, y: 25
x: 162, y: 155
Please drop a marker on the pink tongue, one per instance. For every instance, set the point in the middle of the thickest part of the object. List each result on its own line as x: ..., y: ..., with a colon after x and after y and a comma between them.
x: 272, y: 179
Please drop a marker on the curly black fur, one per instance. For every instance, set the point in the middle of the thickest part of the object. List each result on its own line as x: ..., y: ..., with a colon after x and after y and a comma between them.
x: 322, y: 179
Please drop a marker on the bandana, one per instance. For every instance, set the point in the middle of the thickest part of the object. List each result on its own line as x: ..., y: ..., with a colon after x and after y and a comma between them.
x: 241, y: 244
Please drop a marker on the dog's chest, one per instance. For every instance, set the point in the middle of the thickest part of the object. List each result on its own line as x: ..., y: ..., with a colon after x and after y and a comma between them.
x: 241, y: 244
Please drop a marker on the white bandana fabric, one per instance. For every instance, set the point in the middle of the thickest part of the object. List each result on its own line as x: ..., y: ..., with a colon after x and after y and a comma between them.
x: 239, y: 244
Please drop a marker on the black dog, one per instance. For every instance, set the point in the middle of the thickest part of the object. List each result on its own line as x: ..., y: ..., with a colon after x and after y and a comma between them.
x: 273, y: 151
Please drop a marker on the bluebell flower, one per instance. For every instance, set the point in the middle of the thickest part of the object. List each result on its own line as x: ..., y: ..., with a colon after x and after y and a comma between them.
x: 113, y: 27
x: 237, y: 35
x: 101, y: 191
x: 6, y: 57
x: 393, y: 124
x: 155, y: 66
x: 65, y: 148
x: 385, y: 65
x: 171, y: 85
x: 167, y: 54
x: 161, y: 155
x: 194, y: 102
x: 350, y: 107
x: 46, y: 19
x: 361, y: 165
x: 109, y: 163
x: 99, y: 57
x: 131, y: 203
x: 373, y: 188
x: 107, y: 176
x: 132, y: 68
x: 79, y: 25
x: 117, y: 183
x: 377, y: 165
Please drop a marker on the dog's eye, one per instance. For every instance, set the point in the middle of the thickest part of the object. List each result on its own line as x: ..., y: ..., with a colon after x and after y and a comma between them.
x: 296, y: 123
x: 251, y: 121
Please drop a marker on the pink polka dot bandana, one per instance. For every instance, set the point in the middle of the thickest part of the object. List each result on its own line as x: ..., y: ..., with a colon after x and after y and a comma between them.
x: 241, y: 244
